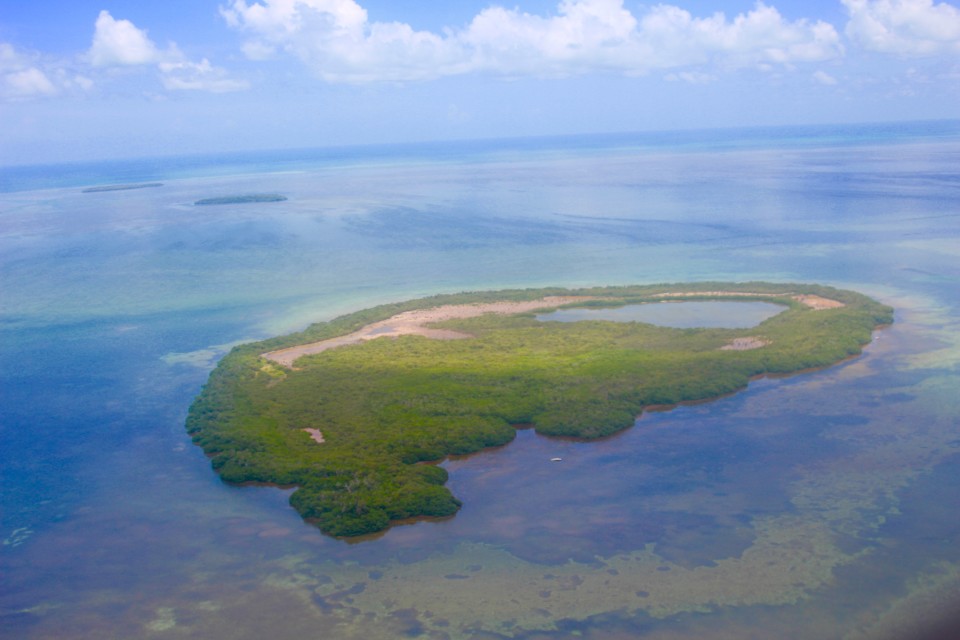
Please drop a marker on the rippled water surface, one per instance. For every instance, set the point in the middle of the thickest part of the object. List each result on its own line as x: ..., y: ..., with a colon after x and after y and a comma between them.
x: 817, y: 506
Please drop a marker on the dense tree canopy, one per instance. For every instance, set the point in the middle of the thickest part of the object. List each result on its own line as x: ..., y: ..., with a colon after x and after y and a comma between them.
x: 386, y: 406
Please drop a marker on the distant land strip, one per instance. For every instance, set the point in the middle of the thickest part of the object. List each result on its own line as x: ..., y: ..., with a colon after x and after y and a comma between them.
x: 242, y: 199
x: 122, y: 187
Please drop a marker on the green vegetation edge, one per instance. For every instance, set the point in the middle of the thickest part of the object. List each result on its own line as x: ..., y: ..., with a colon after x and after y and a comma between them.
x: 387, y: 409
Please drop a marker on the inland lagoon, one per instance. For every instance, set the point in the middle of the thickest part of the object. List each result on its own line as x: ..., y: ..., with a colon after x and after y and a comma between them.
x: 820, y: 505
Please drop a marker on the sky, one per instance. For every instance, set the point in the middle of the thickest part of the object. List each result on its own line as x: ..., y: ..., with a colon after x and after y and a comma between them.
x: 105, y: 79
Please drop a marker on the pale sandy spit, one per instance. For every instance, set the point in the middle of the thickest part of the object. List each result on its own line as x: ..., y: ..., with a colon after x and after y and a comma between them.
x: 415, y: 323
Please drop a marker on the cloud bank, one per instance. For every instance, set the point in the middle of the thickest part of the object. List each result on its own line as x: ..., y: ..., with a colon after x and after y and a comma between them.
x: 119, y: 43
x: 28, y: 75
x: 20, y: 78
x: 339, y: 43
x: 336, y: 39
x: 904, y: 27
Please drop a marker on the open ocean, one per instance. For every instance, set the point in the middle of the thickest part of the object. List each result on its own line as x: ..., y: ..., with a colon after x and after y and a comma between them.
x: 824, y: 505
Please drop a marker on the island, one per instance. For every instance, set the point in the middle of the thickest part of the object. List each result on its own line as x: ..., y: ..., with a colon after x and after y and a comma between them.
x: 122, y: 187
x: 243, y: 199
x: 357, y: 412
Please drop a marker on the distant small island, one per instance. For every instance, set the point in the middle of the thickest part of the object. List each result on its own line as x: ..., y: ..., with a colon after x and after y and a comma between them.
x: 356, y: 421
x: 244, y: 199
x: 122, y: 187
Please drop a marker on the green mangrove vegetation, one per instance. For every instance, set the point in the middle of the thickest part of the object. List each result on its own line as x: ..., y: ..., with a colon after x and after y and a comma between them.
x: 242, y: 199
x: 122, y: 187
x: 387, y: 408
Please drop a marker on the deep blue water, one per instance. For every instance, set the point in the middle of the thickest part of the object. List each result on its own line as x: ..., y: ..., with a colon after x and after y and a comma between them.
x: 816, y: 506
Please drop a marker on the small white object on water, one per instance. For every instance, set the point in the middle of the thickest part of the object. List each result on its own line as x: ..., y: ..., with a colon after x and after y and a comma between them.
x: 556, y: 459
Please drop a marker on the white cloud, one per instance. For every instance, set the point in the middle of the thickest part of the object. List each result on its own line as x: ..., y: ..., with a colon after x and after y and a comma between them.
x: 82, y: 82
x: 757, y: 38
x: 198, y: 76
x: 691, y: 77
x: 21, y: 76
x: 824, y: 78
x: 28, y: 83
x: 11, y: 59
x: 8, y: 56
x: 336, y: 39
x: 121, y: 43
x: 905, y: 27
x: 592, y: 34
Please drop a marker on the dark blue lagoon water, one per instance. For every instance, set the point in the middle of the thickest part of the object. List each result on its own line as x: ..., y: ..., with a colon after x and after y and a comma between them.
x: 818, y: 506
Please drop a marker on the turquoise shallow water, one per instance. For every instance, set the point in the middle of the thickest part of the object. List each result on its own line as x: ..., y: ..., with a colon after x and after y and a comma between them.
x: 821, y: 505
